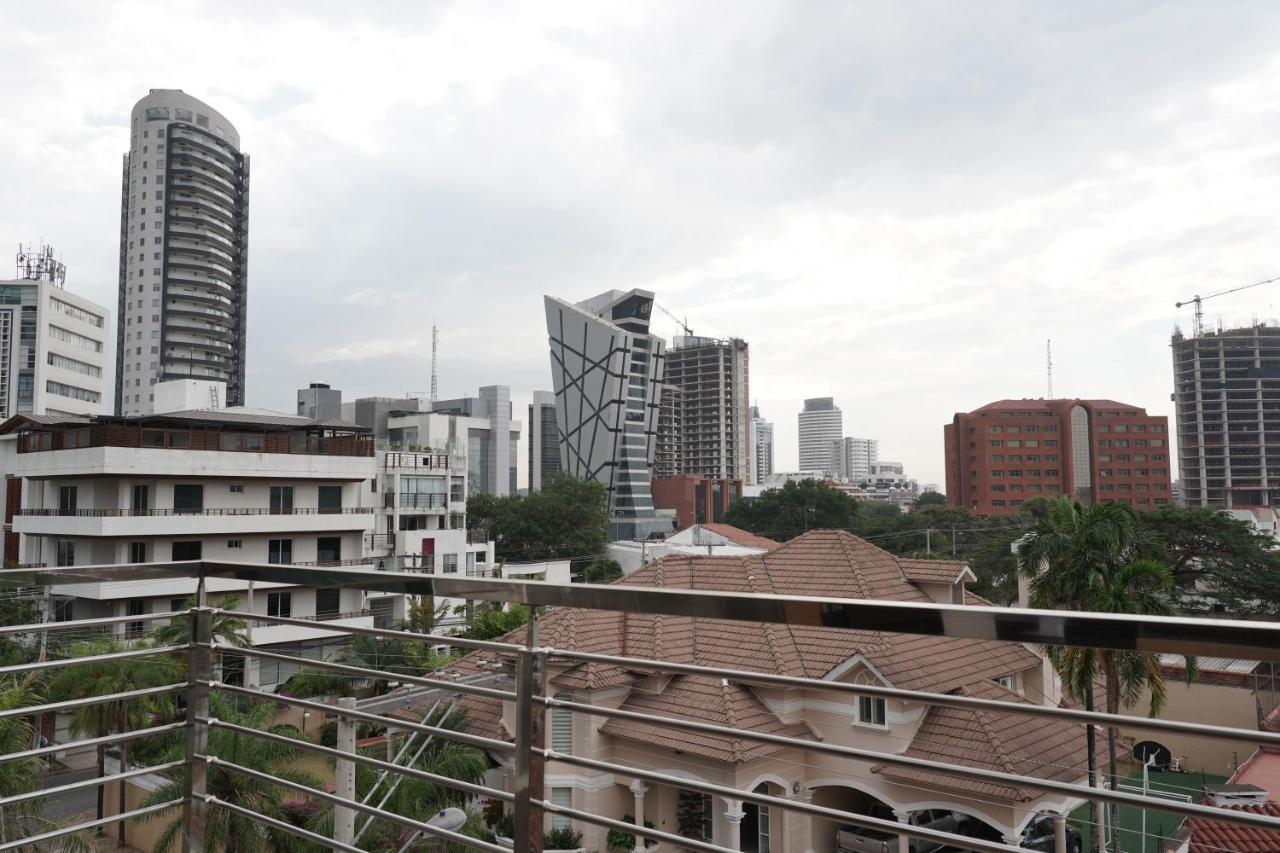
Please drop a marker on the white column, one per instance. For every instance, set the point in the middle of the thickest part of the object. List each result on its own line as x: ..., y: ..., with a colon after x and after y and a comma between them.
x: 344, y: 818
x: 638, y: 790
x: 1060, y: 833
x: 734, y: 816
x: 904, y: 840
x: 805, y: 820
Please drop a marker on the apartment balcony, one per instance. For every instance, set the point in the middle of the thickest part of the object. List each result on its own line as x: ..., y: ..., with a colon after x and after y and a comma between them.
x: 176, y: 522
x: 321, y: 626
x: 808, y: 787
x: 435, y: 502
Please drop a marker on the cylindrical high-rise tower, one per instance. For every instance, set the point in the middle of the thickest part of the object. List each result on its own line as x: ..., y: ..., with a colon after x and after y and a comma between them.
x: 184, y: 217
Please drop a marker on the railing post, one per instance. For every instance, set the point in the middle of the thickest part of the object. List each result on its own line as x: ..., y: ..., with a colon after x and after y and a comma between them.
x: 530, y: 683
x: 199, y: 673
x: 344, y: 818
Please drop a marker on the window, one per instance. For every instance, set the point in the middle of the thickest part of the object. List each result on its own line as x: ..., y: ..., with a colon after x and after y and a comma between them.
x: 66, y: 500
x: 64, y: 610
x: 234, y: 543
x: 1006, y: 681
x: 282, y: 500
x: 996, y: 443
x: 562, y: 727
x: 280, y: 551
x: 1014, y: 443
x: 61, y: 361
x: 561, y: 797
x: 997, y: 503
x: 71, y: 391
x: 871, y: 711
x: 329, y: 549
x: 328, y: 602
x: 135, y: 607
x: 188, y: 498
x: 236, y: 488
x: 186, y: 550
x: 66, y: 553
x: 330, y: 500
x: 280, y: 604
x: 996, y: 457
x: 137, y: 552
x: 176, y: 604
x: 450, y: 564
x: 141, y: 500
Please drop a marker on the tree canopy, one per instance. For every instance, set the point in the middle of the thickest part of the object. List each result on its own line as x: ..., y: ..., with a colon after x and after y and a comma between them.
x: 567, y: 519
x: 787, y: 512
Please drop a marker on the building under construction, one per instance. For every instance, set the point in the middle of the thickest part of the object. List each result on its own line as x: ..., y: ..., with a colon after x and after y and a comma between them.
x: 1227, y: 396
x: 713, y: 415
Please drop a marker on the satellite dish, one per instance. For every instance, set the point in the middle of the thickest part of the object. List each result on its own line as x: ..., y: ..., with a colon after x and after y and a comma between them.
x: 1155, y: 754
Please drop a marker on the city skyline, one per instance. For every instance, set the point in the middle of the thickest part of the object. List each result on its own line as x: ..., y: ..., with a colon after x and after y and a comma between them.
x: 1100, y: 206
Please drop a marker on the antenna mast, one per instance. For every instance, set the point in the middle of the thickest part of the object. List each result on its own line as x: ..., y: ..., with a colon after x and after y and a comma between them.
x: 435, y: 343
x: 1048, y: 357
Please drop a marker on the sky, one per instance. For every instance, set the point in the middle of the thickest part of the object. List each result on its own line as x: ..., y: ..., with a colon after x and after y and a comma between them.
x: 896, y: 205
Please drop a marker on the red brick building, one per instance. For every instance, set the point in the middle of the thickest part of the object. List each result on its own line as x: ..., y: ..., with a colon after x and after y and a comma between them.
x: 696, y: 500
x: 1010, y: 451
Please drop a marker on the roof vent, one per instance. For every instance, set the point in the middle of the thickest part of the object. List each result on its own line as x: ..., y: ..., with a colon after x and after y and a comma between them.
x: 1235, y: 795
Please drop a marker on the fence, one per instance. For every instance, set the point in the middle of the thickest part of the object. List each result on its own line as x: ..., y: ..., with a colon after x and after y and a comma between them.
x: 521, y: 672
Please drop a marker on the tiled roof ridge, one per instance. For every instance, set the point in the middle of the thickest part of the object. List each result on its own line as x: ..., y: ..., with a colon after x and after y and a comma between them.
x: 847, y: 550
x: 731, y: 718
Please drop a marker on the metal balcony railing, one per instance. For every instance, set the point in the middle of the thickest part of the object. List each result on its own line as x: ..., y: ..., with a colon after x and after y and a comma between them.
x: 165, y: 511
x: 520, y: 672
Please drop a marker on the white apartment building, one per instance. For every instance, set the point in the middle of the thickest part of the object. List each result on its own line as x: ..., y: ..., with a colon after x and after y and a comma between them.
x: 233, y: 484
x: 761, y: 446
x: 53, y: 344
x: 820, y: 423
x: 853, y: 458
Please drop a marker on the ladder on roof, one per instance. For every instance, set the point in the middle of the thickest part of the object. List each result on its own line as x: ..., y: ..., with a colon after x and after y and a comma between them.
x: 409, y: 743
x: 213, y: 396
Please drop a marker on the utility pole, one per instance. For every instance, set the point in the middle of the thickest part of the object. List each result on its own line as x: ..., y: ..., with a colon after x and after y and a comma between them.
x: 953, y: 540
x: 928, y: 540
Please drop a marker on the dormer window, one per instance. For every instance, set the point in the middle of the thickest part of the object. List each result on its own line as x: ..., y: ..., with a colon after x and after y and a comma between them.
x: 870, y: 710
x: 1008, y: 682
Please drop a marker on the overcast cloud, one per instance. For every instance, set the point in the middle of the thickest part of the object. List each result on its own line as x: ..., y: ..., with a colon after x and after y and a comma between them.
x: 894, y: 204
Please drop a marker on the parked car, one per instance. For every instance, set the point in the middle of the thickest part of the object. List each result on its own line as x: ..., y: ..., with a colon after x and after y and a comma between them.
x: 1038, y: 835
x: 852, y: 839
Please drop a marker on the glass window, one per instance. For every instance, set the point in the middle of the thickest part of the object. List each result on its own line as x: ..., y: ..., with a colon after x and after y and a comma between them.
x: 281, y: 500
x: 280, y: 551
x: 188, y: 498
x: 137, y: 552
x: 561, y: 797
x: 330, y: 500
x: 871, y: 711
x: 280, y: 604
x: 450, y: 564
x: 562, y: 727
x: 186, y: 550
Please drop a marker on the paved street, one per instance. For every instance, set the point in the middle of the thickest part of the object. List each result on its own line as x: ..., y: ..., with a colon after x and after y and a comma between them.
x: 70, y: 803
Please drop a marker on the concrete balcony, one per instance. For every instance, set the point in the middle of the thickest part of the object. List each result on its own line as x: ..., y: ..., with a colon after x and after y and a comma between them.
x: 126, y: 523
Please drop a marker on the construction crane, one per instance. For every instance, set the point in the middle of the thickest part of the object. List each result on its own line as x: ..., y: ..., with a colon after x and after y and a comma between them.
x: 1197, y: 324
x: 680, y: 322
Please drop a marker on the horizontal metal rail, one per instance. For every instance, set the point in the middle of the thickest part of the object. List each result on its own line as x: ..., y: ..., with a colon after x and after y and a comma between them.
x: 387, y: 633
x: 874, y: 757
x: 33, y: 841
x: 853, y: 818
x: 105, y: 740
x: 39, y: 627
x: 1252, y: 736
x: 1177, y: 635
x: 389, y: 722
x: 258, y: 817
x: 60, y: 663
x: 355, y: 805
x: 435, y: 778
x: 123, y: 696
x: 378, y: 674
x: 41, y: 793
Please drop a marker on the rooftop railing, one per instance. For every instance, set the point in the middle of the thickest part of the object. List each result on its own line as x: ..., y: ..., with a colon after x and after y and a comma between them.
x: 516, y: 674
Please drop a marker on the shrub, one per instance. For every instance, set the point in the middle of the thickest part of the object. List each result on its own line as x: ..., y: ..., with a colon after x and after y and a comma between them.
x: 562, y: 838
x: 619, y: 840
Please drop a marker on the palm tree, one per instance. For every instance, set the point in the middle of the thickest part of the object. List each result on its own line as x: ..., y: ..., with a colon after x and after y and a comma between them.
x: 223, y: 829
x: 114, y: 676
x: 1093, y: 558
x: 21, y: 776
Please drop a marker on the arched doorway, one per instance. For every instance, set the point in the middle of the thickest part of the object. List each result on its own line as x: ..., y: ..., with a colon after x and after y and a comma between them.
x: 762, y: 825
x: 823, y: 831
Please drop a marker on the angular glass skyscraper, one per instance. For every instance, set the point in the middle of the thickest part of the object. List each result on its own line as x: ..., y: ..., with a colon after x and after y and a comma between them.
x: 607, y: 372
x: 184, y: 224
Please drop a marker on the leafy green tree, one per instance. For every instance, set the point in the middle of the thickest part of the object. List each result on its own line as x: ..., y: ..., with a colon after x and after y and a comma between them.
x: 1092, y: 558
x: 491, y: 620
x: 567, y: 519
x: 601, y: 571
x: 1215, y: 556
x: 228, y: 630
x: 103, y: 677
x: 21, y: 776
x: 785, y: 513
x: 931, y: 499
x: 223, y: 829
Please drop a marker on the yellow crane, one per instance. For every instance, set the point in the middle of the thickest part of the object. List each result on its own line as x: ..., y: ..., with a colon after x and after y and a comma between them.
x: 681, y: 323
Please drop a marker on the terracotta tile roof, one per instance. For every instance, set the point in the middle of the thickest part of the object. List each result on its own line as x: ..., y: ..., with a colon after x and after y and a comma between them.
x: 710, y: 700
x: 935, y: 571
x: 832, y: 564
x: 1009, y: 743
x: 738, y: 536
x: 1215, y: 836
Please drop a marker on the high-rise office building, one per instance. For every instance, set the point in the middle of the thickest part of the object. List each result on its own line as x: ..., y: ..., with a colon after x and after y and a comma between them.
x: 820, y: 424
x: 544, y: 440
x: 52, y: 343
x: 607, y: 371
x: 715, y: 425
x: 667, y: 443
x: 852, y: 458
x: 761, y: 445
x: 184, y: 224
x: 1010, y: 451
x: 1226, y: 384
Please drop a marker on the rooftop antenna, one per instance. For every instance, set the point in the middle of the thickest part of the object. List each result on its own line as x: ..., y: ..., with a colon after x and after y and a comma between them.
x: 435, y: 343
x: 40, y: 265
x: 1048, y: 357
